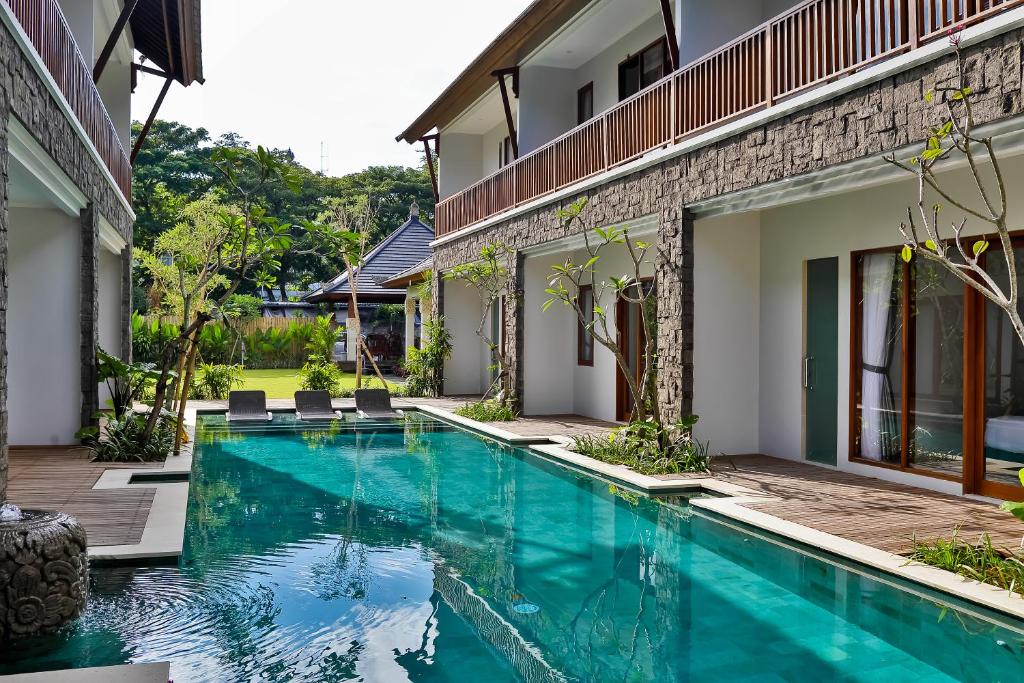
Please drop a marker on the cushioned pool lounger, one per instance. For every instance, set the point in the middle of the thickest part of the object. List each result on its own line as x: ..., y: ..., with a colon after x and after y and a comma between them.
x: 314, y: 405
x: 375, y: 404
x: 248, y: 406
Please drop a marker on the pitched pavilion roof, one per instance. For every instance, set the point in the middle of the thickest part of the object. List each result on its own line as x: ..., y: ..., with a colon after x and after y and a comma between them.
x: 403, y: 249
x: 410, y: 275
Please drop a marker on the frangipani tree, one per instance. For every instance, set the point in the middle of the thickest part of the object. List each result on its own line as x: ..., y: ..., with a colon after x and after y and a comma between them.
x: 491, y: 277
x: 922, y: 233
x: 569, y: 277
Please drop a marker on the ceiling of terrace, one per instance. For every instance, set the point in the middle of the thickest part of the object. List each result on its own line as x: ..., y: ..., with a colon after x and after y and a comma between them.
x: 591, y: 32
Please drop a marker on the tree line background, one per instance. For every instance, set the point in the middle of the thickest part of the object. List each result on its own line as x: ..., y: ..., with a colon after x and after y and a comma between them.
x: 175, y: 167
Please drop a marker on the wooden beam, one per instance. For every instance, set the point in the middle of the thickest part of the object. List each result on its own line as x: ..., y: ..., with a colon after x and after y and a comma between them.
x: 430, y: 163
x: 152, y: 117
x: 500, y: 74
x: 115, y: 35
x: 670, y: 33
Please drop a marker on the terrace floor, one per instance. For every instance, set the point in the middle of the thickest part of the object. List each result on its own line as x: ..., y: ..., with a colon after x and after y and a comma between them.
x: 862, y: 509
x: 62, y: 478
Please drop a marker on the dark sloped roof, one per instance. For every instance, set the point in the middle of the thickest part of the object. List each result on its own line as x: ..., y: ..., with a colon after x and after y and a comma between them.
x: 406, y: 247
x: 169, y: 34
x: 409, y: 275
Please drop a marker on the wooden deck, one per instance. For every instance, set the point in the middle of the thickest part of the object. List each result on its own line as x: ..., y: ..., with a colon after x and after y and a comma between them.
x: 862, y: 509
x: 62, y: 479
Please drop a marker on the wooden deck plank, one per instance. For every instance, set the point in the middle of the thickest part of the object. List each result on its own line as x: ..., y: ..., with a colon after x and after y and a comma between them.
x: 62, y: 479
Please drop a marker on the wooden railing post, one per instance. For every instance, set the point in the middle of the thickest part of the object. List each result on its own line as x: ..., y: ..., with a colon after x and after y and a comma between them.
x: 913, y: 18
x: 769, y: 67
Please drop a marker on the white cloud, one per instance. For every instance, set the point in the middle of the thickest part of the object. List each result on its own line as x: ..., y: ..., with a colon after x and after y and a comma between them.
x: 349, y: 74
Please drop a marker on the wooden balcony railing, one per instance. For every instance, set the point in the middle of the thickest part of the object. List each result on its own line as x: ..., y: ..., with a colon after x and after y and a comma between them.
x: 816, y: 42
x: 46, y: 27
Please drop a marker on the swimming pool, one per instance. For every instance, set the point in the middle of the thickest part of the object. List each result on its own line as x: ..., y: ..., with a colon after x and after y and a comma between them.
x: 423, y: 552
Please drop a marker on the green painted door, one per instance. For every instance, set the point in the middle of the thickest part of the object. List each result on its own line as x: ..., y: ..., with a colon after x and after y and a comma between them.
x: 821, y: 364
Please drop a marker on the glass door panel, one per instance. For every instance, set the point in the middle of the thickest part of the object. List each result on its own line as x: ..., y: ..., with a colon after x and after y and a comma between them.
x: 936, y: 428
x: 1003, y: 426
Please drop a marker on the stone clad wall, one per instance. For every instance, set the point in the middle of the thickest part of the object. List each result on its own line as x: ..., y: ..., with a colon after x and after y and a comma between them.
x: 24, y: 96
x: 869, y: 121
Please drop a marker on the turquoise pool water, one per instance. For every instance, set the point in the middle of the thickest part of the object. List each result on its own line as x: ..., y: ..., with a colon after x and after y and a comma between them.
x: 424, y: 553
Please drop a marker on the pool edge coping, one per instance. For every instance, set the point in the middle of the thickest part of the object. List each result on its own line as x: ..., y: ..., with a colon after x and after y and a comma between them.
x: 732, y: 504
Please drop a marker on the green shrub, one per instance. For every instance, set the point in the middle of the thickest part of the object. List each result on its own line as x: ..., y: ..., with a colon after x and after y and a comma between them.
x: 322, y: 336
x: 981, y: 562
x: 121, y: 439
x: 242, y: 307
x: 487, y: 411
x: 150, y: 338
x: 425, y: 366
x: 321, y: 375
x: 215, y: 344
x: 650, y: 449
x: 217, y: 381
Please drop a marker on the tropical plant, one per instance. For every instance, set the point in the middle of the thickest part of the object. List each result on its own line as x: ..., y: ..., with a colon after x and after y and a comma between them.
x: 150, y: 338
x: 1016, y: 509
x: 125, y: 381
x: 491, y: 276
x: 122, y: 439
x: 963, y: 257
x: 641, y: 447
x: 980, y: 562
x: 242, y: 307
x: 215, y: 344
x: 217, y: 381
x: 568, y: 278
x: 488, y: 411
x: 425, y: 365
x: 319, y: 374
x: 323, y: 335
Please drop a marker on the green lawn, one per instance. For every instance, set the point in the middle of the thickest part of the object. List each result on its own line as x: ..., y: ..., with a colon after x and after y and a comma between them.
x: 284, y: 383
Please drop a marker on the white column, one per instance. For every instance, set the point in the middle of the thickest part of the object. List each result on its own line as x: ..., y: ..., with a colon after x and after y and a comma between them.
x: 351, y: 342
x: 410, y: 323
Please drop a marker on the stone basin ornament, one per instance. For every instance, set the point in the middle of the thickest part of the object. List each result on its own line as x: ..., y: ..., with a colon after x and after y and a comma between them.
x: 44, y: 571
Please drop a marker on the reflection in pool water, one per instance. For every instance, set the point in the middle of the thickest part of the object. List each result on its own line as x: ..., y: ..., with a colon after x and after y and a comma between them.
x: 419, y: 552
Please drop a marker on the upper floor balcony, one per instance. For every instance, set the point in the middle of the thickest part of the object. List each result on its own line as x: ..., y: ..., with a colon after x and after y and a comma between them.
x: 72, y: 38
x: 797, y: 47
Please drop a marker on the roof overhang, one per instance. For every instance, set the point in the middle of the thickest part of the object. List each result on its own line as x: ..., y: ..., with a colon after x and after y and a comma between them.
x: 397, y: 296
x: 529, y: 30
x: 169, y: 34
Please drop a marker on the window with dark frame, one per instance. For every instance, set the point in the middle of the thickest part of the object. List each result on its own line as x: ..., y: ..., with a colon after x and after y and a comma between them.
x: 585, y: 103
x: 584, y: 339
x: 643, y: 69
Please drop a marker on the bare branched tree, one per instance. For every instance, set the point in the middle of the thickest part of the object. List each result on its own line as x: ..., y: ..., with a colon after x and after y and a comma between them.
x: 964, y: 257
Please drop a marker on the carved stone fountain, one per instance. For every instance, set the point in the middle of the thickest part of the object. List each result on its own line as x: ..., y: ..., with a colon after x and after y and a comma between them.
x: 44, y: 571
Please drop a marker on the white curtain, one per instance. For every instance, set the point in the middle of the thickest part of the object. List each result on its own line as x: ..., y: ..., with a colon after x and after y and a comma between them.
x: 879, y: 419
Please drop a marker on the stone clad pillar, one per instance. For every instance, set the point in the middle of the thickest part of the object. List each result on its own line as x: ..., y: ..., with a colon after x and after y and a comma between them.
x: 3, y: 299
x: 351, y: 342
x: 674, y: 277
x: 514, y: 326
x: 126, y: 302
x: 89, y: 313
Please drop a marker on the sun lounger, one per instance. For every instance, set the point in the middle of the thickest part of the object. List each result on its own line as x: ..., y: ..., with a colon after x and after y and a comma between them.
x: 375, y: 404
x: 248, y: 406
x: 314, y: 405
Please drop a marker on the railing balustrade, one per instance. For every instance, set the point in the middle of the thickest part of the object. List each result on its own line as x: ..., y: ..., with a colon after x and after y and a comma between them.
x: 813, y: 43
x: 47, y: 29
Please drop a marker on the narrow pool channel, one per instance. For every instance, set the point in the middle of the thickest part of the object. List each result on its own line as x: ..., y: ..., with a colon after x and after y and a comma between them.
x: 420, y: 552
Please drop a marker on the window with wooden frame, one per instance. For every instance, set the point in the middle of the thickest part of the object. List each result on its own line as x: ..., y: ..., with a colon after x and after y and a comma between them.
x: 643, y: 69
x: 505, y: 152
x: 585, y: 103
x: 584, y: 338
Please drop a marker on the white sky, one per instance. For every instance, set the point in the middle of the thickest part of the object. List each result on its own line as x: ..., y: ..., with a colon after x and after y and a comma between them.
x: 350, y: 74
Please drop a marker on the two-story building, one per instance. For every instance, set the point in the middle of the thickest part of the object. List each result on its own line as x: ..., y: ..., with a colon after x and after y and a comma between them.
x: 745, y: 139
x: 68, y: 71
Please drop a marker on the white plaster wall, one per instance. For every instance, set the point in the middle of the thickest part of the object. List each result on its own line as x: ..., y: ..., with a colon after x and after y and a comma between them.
x: 81, y: 18
x: 833, y: 226
x: 460, y: 167
x: 44, y: 374
x: 464, y: 373
x: 109, y: 326
x: 726, y: 326
x: 547, y: 109
x: 603, y: 69
x: 490, y: 142
x: 115, y: 88
x: 549, y: 345
x: 705, y: 26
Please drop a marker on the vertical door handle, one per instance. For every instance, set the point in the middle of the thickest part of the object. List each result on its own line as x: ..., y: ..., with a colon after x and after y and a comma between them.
x: 808, y: 368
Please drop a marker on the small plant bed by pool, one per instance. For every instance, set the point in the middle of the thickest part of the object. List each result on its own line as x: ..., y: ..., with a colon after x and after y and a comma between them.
x: 649, y: 449
x: 487, y: 411
x: 980, y: 561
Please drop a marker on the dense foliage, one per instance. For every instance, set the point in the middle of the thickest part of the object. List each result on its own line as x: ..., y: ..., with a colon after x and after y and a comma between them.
x: 424, y: 366
x: 121, y: 439
x: 488, y: 411
x: 217, y: 381
x: 644, y: 447
x: 320, y: 375
x: 176, y: 167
